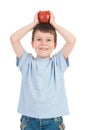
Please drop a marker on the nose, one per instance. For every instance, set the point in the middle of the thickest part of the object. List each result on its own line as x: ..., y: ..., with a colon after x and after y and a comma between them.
x: 43, y: 42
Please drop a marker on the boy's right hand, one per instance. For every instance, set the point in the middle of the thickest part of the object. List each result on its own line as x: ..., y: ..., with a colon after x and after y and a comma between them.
x: 36, y: 21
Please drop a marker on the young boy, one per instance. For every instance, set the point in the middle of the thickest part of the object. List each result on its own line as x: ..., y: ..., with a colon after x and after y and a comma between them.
x: 43, y: 101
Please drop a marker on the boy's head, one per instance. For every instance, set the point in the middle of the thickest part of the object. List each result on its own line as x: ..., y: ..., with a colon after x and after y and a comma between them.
x: 45, y: 27
x: 44, y: 39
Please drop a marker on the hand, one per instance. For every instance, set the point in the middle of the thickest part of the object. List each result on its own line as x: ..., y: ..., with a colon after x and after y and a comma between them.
x: 36, y: 21
x: 52, y: 18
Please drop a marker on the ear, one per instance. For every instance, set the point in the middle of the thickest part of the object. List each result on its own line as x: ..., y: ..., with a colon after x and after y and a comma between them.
x: 32, y: 43
x: 55, y: 44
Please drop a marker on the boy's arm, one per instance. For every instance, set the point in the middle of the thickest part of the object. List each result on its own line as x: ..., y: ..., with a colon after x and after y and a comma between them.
x: 18, y: 35
x: 68, y: 37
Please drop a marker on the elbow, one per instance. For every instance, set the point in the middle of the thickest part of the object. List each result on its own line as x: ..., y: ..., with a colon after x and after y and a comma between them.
x: 12, y: 39
x: 73, y: 40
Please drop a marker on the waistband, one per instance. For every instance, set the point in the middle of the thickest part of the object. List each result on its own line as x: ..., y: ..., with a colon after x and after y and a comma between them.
x: 38, y: 119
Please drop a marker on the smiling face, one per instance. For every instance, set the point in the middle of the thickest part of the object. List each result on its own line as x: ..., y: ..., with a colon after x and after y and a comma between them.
x: 44, y: 40
x: 43, y: 44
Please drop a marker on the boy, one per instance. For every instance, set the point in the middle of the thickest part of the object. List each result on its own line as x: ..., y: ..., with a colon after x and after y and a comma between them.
x: 43, y: 100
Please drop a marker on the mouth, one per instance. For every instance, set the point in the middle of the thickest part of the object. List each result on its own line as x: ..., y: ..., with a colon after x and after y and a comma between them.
x: 43, y: 48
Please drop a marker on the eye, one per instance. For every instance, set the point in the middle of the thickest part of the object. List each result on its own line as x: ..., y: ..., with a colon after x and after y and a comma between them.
x: 48, y: 39
x: 38, y: 39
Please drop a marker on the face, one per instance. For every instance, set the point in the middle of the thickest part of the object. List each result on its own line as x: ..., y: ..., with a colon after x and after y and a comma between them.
x: 43, y: 44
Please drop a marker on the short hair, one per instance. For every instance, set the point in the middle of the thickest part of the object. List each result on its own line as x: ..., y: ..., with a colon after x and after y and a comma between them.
x: 45, y: 27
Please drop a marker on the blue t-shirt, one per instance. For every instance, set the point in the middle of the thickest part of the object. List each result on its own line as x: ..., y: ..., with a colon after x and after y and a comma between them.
x: 42, y: 90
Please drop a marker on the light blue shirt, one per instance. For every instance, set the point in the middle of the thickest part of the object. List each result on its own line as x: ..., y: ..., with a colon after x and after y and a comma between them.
x: 42, y: 90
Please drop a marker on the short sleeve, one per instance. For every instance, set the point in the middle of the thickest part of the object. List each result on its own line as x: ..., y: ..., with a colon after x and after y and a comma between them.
x: 61, y: 61
x: 24, y: 61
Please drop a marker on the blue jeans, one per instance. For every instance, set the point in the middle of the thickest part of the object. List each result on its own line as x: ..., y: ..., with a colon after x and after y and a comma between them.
x: 28, y: 123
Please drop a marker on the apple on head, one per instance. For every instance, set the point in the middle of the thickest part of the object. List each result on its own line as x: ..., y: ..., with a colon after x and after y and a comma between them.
x: 44, y: 16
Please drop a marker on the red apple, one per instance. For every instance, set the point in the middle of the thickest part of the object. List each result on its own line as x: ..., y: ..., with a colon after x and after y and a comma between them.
x: 44, y: 16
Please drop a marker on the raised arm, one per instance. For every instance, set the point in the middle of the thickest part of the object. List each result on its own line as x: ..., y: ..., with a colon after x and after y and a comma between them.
x: 68, y: 37
x: 18, y: 35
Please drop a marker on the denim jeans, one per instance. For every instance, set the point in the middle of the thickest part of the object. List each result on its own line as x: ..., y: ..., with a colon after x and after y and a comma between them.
x: 28, y: 123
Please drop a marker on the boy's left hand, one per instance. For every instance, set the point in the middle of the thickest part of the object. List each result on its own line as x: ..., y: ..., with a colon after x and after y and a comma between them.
x: 52, y: 18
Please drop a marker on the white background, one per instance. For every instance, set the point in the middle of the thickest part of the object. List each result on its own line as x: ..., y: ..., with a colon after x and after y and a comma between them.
x: 71, y: 14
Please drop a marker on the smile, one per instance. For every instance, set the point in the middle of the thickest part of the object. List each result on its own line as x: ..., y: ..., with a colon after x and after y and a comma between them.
x: 43, y: 48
